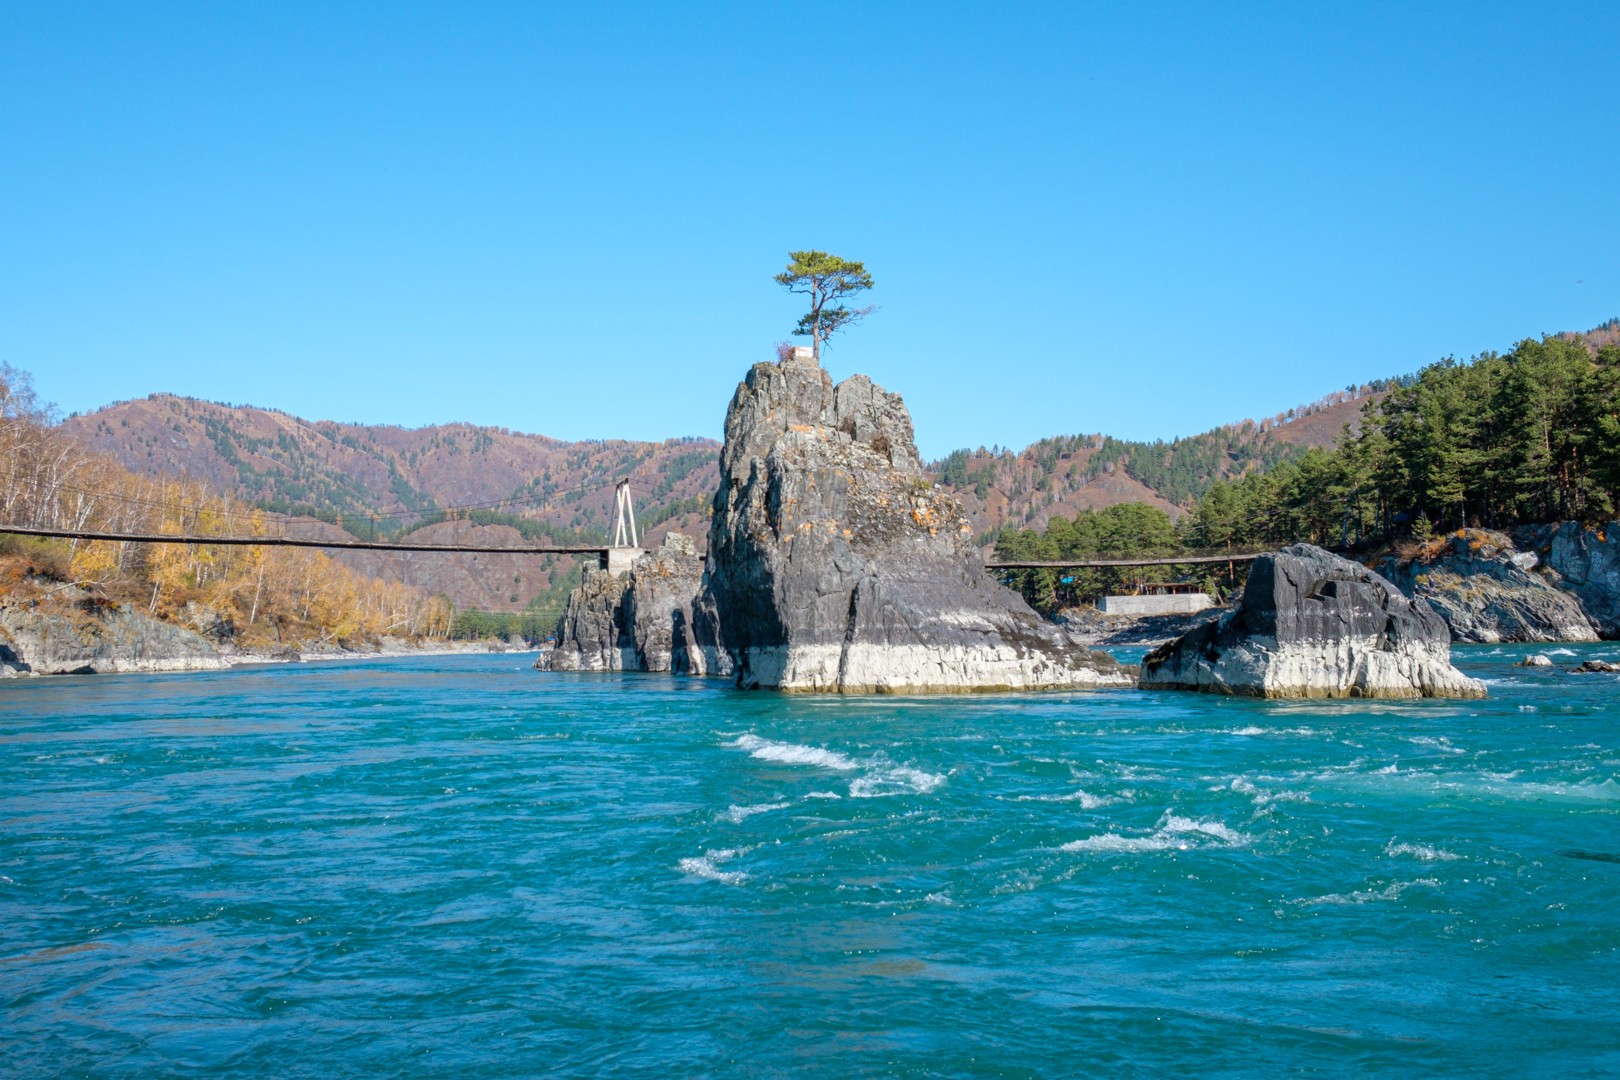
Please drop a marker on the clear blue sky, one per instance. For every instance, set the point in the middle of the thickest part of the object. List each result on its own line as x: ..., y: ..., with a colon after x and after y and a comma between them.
x: 564, y: 218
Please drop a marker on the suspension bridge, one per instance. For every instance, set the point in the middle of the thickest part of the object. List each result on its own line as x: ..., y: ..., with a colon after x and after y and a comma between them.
x: 616, y: 556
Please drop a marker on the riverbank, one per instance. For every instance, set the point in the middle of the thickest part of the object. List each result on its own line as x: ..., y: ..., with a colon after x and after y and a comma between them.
x: 72, y: 632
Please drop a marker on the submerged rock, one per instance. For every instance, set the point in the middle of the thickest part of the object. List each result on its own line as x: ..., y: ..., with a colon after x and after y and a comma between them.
x: 1486, y: 592
x: 1313, y: 625
x: 638, y: 621
x: 1603, y: 667
x: 80, y: 636
x: 834, y: 565
x: 1537, y: 660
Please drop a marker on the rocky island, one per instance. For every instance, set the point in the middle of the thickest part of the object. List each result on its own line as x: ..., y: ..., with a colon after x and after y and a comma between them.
x: 834, y: 566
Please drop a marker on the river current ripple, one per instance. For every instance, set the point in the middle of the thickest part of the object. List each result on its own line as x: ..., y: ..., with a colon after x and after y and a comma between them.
x: 459, y: 866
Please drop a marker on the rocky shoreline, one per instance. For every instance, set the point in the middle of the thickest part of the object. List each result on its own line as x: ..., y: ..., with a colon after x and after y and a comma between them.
x: 76, y: 634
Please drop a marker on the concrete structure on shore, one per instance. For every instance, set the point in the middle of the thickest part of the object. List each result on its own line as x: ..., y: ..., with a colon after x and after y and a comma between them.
x: 1163, y: 604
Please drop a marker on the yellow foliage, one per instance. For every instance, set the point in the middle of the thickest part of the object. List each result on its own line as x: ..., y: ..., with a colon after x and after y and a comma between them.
x: 268, y: 593
x: 95, y: 561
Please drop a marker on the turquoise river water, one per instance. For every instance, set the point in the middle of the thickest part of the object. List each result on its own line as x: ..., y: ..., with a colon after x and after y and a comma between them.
x: 462, y: 867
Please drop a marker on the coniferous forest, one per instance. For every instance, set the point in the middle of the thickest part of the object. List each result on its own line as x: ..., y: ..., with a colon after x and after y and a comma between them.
x: 1529, y: 436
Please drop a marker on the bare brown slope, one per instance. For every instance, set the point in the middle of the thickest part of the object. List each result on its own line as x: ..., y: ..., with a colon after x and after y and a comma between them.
x: 1321, y: 427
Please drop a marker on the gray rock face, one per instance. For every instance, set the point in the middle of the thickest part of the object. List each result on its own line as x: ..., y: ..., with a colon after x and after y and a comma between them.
x: 1486, y: 592
x: 658, y: 610
x: 835, y: 566
x: 641, y: 621
x: 87, y: 638
x: 1313, y: 625
x: 1587, y: 560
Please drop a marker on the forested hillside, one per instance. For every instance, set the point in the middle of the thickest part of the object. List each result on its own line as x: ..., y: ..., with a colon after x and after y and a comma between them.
x: 1066, y: 475
x: 264, y: 595
x: 1526, y: 437
x: 479, y: 484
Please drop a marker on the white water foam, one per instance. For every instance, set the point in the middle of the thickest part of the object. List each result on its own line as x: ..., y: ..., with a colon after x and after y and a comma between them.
x: 738, y: 814
x: 1079, y: 795
x: 794, y: 754
x: 708, y: 867
x: 1425, y: 852
x: 1367, y: 896
x: 1442, y: 743
x: 1261, y: 796
x: 1251, y: 729
x: 1174, y: 833
x: 880, y: 776
x: 894, y: 780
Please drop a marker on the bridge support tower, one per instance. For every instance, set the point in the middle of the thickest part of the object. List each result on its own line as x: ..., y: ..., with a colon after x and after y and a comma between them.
x: 625, y: 548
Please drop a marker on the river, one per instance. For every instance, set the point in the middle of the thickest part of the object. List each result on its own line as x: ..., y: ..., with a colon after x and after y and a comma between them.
x: 457, y: 866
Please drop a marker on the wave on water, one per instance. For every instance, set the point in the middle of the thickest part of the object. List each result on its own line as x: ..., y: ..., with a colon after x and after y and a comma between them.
x: 894, y: 780
x: 1252, y: 729
x: 1481, y: 785
x: 1425, y: 852
x: 1442, y: 743
x: 881, y: 777
x: 794, y: 754
x: 1366, y: 896
x: 1261, y: 796
x: 738, y: 814
x: 1086, y: 799
x: 1173, y: 833
x: 708, y: 866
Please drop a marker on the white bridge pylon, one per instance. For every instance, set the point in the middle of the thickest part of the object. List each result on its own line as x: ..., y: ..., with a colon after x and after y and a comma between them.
x: 625, y: 548
x: 624, y: 517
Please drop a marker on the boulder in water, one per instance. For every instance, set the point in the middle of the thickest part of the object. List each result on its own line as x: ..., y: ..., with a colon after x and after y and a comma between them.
x: 77, y: 635
x: 1313, y: 625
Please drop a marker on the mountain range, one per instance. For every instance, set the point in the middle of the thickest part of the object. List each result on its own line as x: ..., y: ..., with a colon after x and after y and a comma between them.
x: 490, y: 484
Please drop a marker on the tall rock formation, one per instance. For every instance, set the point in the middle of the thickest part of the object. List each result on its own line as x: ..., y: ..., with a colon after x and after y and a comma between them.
x: 1313, y: 625
x: 834, y: 565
